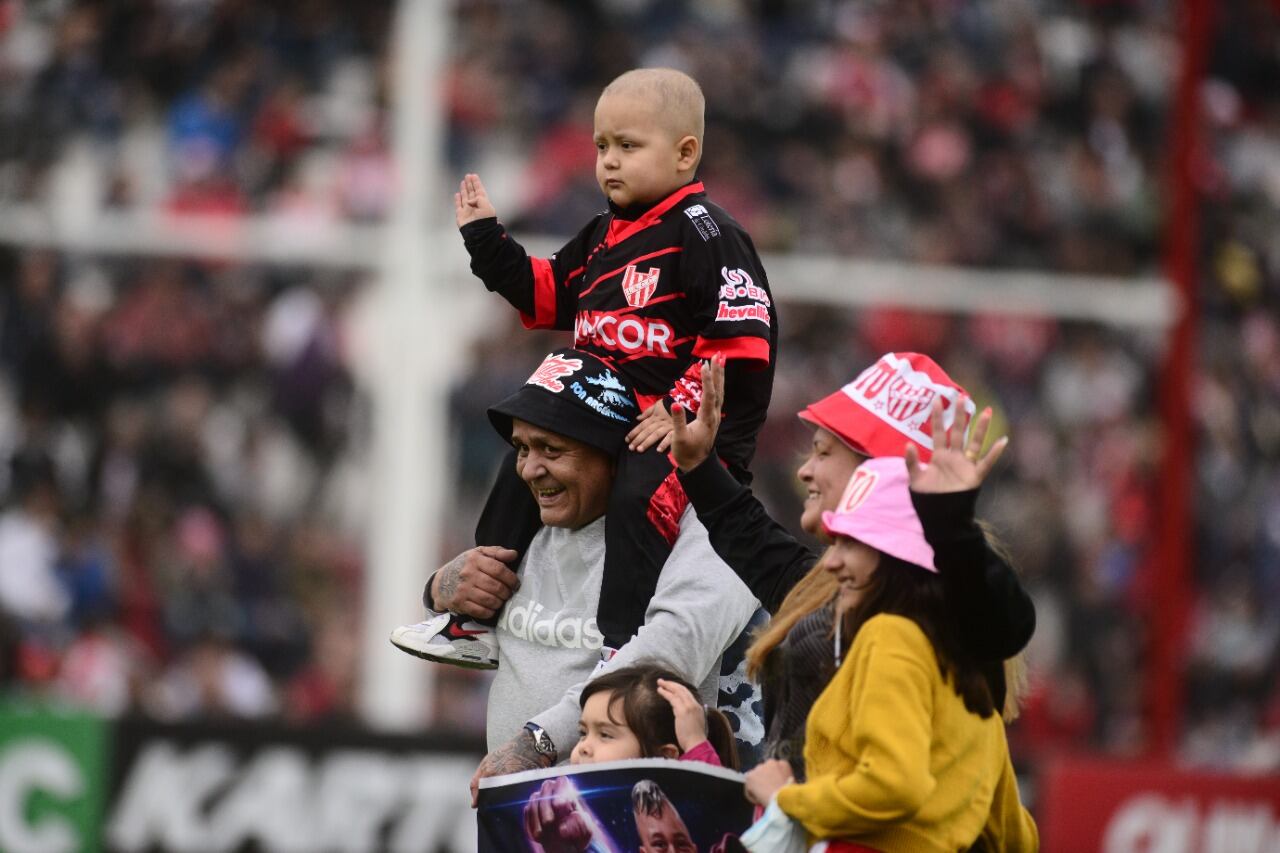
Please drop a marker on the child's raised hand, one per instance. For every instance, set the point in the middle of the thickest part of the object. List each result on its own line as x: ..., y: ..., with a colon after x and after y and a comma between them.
x: 471, y: 202
x: 653, y: 426
x: 691, y: 717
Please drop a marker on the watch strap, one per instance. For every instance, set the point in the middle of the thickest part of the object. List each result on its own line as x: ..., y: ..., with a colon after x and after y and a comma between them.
x: 429, y: 600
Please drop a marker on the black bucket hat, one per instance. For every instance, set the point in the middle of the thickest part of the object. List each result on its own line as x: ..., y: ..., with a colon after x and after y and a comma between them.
x: 574, y: 394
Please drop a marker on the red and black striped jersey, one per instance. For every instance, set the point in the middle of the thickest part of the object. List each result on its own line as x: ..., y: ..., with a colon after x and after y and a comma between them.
x: 654, y: 291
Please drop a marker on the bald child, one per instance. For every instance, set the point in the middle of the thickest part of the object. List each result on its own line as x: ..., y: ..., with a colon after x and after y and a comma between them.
x: 659, y: 281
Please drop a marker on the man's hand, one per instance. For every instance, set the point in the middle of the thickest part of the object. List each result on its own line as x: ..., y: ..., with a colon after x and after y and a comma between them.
x: 653, y: 426
x: 514, y: 756
x: 476, y: 582
x: 471, y: 202
x: 956, y: 465
x: 692, y: 443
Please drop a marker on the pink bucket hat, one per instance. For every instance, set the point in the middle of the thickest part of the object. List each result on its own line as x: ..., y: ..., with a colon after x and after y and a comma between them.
x: 876, y: 510
x: 888, y: 405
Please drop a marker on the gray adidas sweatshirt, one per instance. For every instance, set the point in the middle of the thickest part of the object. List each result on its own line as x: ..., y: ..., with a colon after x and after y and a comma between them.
x: 549, y: 645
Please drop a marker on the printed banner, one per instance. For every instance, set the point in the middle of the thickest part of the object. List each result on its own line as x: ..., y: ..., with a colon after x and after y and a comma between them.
x: 52, y: 786
x: 195, y: 788
x: 74, y: 783
x: 1117, y: 807
x: 615, y: 807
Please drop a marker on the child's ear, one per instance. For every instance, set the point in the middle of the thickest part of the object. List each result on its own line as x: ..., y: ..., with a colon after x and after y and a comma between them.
x: 669, y: 750
x: 688, y: 150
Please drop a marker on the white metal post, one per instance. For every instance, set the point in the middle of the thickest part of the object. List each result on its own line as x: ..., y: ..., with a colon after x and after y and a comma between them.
x: 409, y: 454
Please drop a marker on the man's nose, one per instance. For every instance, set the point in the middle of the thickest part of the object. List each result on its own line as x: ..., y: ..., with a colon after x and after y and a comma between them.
x: 533, y: 467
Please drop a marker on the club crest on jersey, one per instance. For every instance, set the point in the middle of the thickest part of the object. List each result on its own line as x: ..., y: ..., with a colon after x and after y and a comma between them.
x: 638, y: 286
x: 860, y: 486
x: 552, y: 370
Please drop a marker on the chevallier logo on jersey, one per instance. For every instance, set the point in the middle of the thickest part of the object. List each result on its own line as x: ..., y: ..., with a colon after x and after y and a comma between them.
x: 629, y: 334
x: 738, y: 285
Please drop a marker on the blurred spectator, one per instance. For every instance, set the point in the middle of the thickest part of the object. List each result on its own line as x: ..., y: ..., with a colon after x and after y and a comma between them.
x: 29, y: 587
x: 159, y: 504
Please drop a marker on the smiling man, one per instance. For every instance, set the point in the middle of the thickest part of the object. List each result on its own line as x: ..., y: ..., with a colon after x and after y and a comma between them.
x: 568, y: 424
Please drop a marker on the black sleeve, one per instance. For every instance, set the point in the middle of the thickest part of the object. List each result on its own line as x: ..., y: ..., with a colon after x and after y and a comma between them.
x: 544, y: 291
x: 729, y: 293
x: 996, y: 616
x: 735, y: 316
x: 500, y: 262
x: 769, y: 560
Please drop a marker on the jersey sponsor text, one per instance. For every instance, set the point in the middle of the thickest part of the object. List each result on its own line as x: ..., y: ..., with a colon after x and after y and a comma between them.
x: 628, y: 334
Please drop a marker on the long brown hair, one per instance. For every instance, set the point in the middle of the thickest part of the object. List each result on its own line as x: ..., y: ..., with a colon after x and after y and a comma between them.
x: 818, y: 588
x: 650, y: 717
x: 814, y: 591
x: 907, y: 590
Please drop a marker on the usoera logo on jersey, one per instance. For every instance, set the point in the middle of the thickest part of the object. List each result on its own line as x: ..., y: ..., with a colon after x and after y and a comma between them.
x: 526, y: 621
x: 626, y: 333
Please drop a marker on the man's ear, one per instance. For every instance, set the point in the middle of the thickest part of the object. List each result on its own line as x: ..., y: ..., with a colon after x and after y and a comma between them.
x: 689, y: 150
x: 669, y: 750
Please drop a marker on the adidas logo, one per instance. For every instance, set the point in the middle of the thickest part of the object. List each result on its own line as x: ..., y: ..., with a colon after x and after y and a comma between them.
x: 525, y: 622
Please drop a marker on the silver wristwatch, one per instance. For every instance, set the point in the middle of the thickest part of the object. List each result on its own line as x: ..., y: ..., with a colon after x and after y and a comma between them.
x: 541, y: 741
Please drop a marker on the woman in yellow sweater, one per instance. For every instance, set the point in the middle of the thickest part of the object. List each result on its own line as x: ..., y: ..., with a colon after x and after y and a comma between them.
x: 904, y: 749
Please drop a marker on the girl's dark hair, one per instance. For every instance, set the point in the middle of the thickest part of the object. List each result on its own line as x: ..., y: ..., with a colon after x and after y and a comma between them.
x: 650, y: 717
x: 907, y: 590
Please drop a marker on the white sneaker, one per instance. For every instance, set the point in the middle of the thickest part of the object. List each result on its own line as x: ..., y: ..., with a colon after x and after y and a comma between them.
x: 449, y: 638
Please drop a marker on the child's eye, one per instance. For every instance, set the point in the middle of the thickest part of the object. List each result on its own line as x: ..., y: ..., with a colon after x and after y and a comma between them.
x: 627, y: 146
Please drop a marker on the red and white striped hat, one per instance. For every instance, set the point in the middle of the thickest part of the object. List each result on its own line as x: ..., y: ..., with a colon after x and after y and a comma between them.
x: 888, y: 405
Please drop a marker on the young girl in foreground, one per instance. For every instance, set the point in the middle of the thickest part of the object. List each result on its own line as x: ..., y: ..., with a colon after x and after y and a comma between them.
x: 646, y: 711
x: 641, y: 711
x: 904, y: 748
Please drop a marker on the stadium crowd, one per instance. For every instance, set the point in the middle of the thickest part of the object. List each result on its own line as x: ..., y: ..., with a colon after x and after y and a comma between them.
x: 183, y: 439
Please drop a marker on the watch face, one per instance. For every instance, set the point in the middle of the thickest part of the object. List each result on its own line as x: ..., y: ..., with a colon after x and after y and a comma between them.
x: 541, y: 741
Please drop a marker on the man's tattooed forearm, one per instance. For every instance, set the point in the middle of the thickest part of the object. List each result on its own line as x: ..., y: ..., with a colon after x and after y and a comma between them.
x: 450, y: 577
x: 514, y: 756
